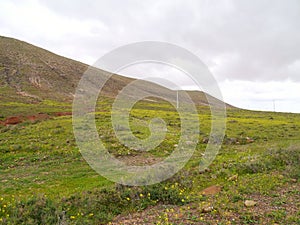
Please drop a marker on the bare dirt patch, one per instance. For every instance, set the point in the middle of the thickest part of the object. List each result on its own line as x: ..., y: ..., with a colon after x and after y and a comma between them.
x: 139, y: 160
x: 280, y: 206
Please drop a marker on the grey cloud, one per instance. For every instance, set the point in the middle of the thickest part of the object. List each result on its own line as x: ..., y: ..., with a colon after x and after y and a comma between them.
x: 264, y: 35
x: 237, y: 39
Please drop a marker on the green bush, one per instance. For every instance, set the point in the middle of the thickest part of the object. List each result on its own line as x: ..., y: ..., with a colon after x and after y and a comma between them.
x: 93, y: 207
x: 36, y: 210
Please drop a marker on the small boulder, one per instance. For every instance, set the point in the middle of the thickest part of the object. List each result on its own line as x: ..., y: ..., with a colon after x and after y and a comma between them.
x: 212, y: 190
x: 250, y: 203
x: 205, y: 140
x: 249, y: 140
x: 207, y: 209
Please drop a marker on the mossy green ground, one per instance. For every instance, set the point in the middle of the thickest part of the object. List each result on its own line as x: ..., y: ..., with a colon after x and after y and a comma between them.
x: 45, y: 180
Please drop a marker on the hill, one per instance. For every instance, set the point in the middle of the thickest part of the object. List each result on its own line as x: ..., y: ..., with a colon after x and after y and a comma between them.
x: 31, y: 74
x: 44, y: 178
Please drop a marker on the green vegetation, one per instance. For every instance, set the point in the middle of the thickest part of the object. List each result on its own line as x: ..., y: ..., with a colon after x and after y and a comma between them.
x: 24, y: 109
x: 45, y: 180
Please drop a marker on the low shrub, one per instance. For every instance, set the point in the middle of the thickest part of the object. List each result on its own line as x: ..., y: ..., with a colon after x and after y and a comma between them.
x: 286, y: 160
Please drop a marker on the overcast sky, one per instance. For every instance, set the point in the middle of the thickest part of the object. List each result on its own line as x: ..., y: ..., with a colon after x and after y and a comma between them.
x: 252, y: 47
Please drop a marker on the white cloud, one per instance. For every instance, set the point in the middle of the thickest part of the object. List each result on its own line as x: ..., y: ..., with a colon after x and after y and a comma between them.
x: 262, y: 95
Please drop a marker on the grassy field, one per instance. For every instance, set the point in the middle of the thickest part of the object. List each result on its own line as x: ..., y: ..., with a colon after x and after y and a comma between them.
x: 45, y: 180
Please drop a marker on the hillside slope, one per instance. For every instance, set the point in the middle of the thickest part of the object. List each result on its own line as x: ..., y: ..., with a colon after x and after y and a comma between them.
x: 34, y: 73
x: 31, y: 74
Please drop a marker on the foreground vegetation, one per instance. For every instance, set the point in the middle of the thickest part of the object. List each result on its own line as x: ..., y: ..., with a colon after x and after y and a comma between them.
x: 45, y: 180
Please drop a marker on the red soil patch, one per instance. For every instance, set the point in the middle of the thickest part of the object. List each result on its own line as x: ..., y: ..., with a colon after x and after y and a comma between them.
x: 40, y: 116
x: 13, y: 120
x: 32, y: 118
x: 63, y: 114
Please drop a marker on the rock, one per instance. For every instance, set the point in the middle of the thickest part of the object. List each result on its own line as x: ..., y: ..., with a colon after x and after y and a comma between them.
x: 250, y: 203
x: 207, y: 209
x: 212, y: 190
x: 205, y: 170
x: 249, y: 140
x: 213, y: 176
x: 205, y: 140
x: 233, y: 178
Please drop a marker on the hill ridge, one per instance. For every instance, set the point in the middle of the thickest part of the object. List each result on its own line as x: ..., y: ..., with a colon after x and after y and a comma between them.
x: 31, y: 74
